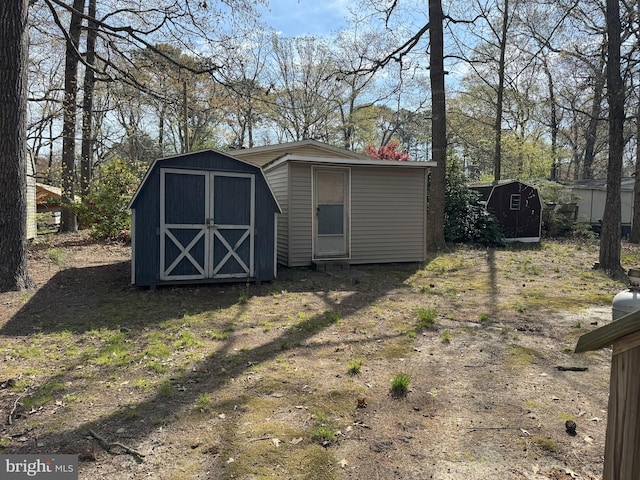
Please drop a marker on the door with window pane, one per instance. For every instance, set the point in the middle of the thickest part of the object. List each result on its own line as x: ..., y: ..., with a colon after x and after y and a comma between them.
x: 331, y: 203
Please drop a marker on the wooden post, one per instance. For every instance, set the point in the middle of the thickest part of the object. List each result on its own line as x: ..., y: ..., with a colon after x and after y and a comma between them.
x: 622, y: 447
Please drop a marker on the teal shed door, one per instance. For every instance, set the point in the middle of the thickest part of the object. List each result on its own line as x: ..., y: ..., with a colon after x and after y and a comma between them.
x: 206, y: 225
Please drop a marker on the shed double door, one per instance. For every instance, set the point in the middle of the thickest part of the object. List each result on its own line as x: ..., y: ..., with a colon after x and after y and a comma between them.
x: 206, y: 224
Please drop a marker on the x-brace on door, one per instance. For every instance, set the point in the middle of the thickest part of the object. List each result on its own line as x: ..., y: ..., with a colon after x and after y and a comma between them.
x: 207, y: 223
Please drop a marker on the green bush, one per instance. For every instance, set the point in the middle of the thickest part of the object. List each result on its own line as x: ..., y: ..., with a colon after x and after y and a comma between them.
x: 465, y: 220
x: 106, y: 209
x: 559, y: 212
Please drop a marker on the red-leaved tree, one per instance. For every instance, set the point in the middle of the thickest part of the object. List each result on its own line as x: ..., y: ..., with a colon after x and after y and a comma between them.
x: 387, y: 152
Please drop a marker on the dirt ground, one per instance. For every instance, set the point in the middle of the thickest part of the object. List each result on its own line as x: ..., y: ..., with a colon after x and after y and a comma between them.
x: 249, y: 369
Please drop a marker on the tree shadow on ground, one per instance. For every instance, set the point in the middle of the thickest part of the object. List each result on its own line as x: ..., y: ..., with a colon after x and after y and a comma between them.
x: 81, y: 300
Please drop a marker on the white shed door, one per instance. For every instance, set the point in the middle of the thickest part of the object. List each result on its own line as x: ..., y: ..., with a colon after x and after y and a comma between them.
x: 206, y: 224
x: 331, y: 222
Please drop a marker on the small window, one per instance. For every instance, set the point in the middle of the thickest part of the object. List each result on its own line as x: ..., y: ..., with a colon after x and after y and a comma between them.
x: 515, y: 201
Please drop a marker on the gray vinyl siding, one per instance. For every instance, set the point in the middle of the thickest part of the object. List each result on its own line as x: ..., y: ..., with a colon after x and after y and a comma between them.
x: 300, y: 214
x: 387, y: 215
x: 278, y: 179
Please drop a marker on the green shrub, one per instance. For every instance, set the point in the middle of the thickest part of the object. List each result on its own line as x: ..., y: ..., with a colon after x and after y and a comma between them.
x: 106, y: 209
x: 465, y: 220
x: 559, y: 212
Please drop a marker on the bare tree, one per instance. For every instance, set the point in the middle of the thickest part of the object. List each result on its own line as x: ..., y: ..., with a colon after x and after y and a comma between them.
x: 634, y: 237
x: 301, y: 104
x: 13, y: 145
x: 435, y: 238
x: 610, y: 233
x: 86, y: 156
x: 68, y: 221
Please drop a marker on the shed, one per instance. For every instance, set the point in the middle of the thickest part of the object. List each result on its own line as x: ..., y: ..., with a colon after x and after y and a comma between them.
x: 203, y: 217
x: 591, y: 196
x: 517, y: 207
x: 622, y: 444
x: 343, y: 207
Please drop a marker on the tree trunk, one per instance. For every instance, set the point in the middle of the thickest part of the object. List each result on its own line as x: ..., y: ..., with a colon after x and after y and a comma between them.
x: 611, y: 222
x: 634, y: 237
x: 86, y: 157
x: 592, y: 129
x: 554, y: 123
x: 68, y: 221
x: 437, y: 184
x: 497, y: 153
x: 13, y: 145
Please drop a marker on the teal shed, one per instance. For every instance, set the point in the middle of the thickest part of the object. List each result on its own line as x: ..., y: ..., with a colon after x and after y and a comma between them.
x: 203, y: 217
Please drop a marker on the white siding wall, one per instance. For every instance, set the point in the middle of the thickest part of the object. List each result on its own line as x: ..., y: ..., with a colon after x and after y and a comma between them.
x: 387, y: 215
x: 31, y: 199
x: 278, y: 179
x: 591, y: 205
x: 300, y: 214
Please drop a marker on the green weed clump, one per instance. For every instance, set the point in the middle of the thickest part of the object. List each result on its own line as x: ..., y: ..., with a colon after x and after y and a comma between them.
x: 323, y: 433
x: 400, y: 384
x: 355, y: 366
x: 426, y: 318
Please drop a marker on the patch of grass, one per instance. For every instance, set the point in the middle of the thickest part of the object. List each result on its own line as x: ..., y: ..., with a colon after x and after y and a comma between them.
x: 324, y: 432
x: 545, y: 443
x: 242, y: 299
x: 445, y: 264
x: 355, y: 366
x: 446, y: 336
x: 57, y: 256
x: 398, y: 348
x: 217, y: 335
x: 157, y: 367
x: 25, y: 351
x: 332, y: 316
x: 204, y: 403
x: 43, y: 394
x: 521, y: 357
x: 483, y: 317
x: 314, y: 463
x: 130, y: 413
x: 166, y: 390
x: 186, y: 339
x: 314, y: 324
x: 426, y: 318
x: 4, y: 443
x: 70, y: 398
x: 400, y: 384
x: 157, y: 347
x: 566, y: 416
x: 142, y: 384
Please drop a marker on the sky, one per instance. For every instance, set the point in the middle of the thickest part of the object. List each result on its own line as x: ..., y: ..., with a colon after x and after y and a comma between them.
x: 295, y: 18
